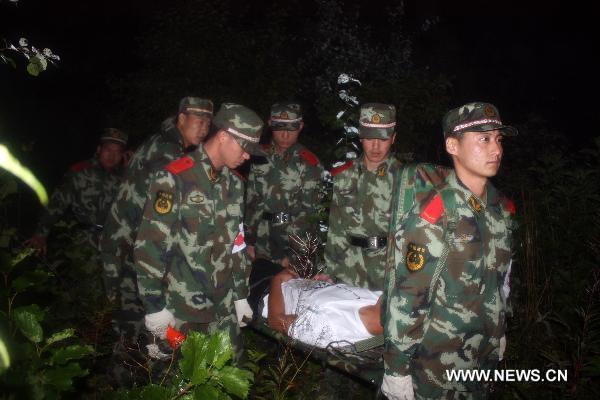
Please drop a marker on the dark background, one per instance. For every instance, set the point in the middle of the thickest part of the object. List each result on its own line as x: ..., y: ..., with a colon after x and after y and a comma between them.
x: 532, y: 62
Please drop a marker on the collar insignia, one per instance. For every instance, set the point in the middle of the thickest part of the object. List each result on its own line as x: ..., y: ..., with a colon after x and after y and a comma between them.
x: 474, y: 204
x: 213, y: 175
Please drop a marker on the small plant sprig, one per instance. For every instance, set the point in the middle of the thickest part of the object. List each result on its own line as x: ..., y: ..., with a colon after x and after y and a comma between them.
x: 37, y: 60
x: 304, y: 255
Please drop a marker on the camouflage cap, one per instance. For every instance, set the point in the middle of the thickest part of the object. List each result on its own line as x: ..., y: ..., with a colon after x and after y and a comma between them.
x: 196, y: 106
x: 243, y: 124
x: 377, y: 121
x: 113, y: 135
x: 286, y: 116
x: 475, y: 117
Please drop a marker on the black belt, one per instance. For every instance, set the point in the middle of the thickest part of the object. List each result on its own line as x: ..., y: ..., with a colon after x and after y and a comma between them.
x: 370, y: 243
x: 277, y: 218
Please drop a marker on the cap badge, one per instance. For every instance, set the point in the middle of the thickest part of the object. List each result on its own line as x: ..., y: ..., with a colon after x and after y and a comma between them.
x: 284, y: 115
x: 164, y: 202
x: 474, y: 204
x: 415, y: 257
x: 489, y: 111
x: 376, y: 119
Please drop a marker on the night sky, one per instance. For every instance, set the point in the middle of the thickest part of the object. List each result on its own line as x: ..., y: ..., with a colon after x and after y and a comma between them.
x: 527, y: 60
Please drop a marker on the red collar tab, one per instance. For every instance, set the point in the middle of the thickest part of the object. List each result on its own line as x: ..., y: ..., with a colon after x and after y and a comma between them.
x: 309, y: 157
x: 337, y: 170
x: 509, y: 205
x: 434, y: 210
x: 180, y: 165
x: 80, y: 165
x: 239, y: 175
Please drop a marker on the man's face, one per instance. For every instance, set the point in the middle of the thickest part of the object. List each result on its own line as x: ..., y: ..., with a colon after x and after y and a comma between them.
x: 377, y: 150
x: 476, y: 154
x: 110, y: 154
x: 283, y: 140
x: 193, y: 128
x: 232, y: 154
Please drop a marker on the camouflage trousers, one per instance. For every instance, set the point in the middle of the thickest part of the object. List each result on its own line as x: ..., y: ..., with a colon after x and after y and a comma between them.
x: 121, y: 288
x: 228, y: 324
x: 424, y: 392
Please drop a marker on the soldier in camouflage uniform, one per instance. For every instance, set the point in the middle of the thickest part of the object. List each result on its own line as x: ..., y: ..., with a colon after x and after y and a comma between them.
x: 445, y: 303
x: 282, y: 194
x: 177, y: 134
x: 360, y: 208
x: 189, y: 252
x: 87, y: 190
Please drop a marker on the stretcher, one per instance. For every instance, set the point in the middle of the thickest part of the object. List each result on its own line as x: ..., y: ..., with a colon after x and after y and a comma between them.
x: 362, y: 359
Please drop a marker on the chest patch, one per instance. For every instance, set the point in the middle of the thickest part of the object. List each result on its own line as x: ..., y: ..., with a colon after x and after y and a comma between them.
x: 196, y: 198
x: 415, y: 257
x: 164, y: 202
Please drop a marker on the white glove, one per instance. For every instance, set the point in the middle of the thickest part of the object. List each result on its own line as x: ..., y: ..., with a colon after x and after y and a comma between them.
x: 158, y: 322
x: 502, y: 348
x: 398, y: 387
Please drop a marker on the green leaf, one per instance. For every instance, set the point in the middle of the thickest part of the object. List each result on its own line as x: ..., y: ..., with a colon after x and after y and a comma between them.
x: 72, y: 352
x: 219, y: 349
x: 8, y: 60
x: 4, y: 357
x: 155, y: 392
x: 34, y: 309
x: 21, y: 255
x: 193, y: 362
x: 62, y: 335
x: 28, y: 324
x: 29, y: 279
x: 209, y: 392
x: 21, y: 284
x: 62, y: 377
x: 234, y: 380
x: 37, y: 64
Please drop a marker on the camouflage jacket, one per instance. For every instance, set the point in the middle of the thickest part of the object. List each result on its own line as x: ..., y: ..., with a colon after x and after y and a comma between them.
x: 286, y: 183
x: 360, y: 207
x: 445, y: 301
x: 183, y: 253
x: 87, y: 190
x: 126, y: 211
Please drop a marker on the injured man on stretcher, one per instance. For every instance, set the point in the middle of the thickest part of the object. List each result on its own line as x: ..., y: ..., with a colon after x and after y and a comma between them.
x: 321, y: 313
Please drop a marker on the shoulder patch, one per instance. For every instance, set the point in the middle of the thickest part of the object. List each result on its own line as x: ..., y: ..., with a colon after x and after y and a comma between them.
x: 80, y: 166
x: 509, y: 205
x: 337, y: 170
x: 239, y: 175
x: 180, y: 165
x: 433, y: 210
x: 309, y: 157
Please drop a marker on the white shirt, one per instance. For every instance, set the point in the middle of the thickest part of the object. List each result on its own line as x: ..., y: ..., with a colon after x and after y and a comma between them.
x: 327, y: 313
